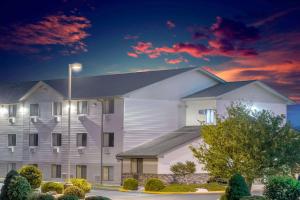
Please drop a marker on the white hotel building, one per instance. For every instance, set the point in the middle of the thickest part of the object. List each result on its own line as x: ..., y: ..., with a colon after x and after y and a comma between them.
x: 133, y: 124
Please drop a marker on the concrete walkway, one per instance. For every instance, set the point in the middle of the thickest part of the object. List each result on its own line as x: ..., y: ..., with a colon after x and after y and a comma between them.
x: 116, y: 195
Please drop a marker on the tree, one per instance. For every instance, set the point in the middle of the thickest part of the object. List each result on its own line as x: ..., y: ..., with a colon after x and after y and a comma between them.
x: 9, y: 176
x: 183, y: 169
x: 252, y: 143
x: 33, y: 175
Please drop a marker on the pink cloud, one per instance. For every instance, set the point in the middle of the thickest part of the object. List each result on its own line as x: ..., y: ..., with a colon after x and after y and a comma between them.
x: 170, y: 24
x: 51, y: 30
x: 176, y: 60
x: 134, y: 55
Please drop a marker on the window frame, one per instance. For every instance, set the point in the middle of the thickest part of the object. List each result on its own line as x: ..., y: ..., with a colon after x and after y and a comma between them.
x: 14, y: 110
x: 81, y: 167
x: 35, y: 139
x: 80, y: 111
x: 38, y: 109
x: 57, y: 173
x: 14, y: 140
x: 110, y: 134
x: 110, y: 173
x: 54, y: 111
x: 77, y: 141
x: 52, y: 140
x: 210, y: 116
x: 109, y: 106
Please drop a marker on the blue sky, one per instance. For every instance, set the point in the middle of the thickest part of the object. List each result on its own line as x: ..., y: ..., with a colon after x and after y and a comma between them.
x: 237, y: 40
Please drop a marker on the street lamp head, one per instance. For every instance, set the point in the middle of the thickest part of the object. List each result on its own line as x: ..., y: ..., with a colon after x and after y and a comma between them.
x: 76, y: 67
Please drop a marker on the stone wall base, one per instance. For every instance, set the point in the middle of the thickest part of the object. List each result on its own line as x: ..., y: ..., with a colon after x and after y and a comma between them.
x: 169, y: 178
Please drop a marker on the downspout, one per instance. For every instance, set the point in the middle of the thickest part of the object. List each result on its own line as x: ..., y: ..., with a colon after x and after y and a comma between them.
x: 101, y: 142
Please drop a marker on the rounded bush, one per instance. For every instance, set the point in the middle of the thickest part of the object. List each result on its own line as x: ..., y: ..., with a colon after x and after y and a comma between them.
x: 97, y: 198
x: 33, y: 175
x: 282, y: 188
x: 237, y: 188
x: 75, y: 191
x: 7, y: 180
x: 45, y: 197
x: 68, y: 197
x: 18, y: 188
x: 52, y: 187
x: 154, y: 184
x: 130, y: 184
x: 82, y: 184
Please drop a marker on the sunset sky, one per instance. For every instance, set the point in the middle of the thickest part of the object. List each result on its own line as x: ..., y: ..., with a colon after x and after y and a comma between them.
x: 237, y: 40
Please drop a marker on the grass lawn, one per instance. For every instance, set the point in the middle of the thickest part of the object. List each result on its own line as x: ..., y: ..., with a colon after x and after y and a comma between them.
x: 193, y: 187
x: 106, y: 187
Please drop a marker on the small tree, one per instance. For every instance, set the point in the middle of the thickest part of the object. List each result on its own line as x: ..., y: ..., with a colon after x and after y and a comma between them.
x: 183, y: 169
x: 9, y: 176
x: 252, y: 143
x: 18, y: 188
x: 237, y: 188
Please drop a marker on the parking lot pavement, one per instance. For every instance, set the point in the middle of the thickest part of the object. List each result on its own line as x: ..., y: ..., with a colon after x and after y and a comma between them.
x: 115, y: 195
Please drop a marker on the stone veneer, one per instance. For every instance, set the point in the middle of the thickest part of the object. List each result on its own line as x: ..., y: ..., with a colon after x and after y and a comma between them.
x: 169, y: 178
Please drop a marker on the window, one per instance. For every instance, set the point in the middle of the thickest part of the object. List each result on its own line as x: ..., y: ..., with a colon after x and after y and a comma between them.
x: 57, y: 108
x: 81, y: 171
x: 33, y: 140
x: 108, y: 139
x: 55, y: 171
x: 81, y: 139
x: 11, y: 166
x: 12, y: 140
x: 137, y: 166
x: 210, y: 116
x: 108, y: 106
x: 34, y: 110
x: 12, y: 110
x: 107, y: 173
x: 56, y: 139
x: 82, y: 107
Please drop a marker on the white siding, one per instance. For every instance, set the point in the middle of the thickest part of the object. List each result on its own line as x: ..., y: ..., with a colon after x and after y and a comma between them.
x: 179, y: 154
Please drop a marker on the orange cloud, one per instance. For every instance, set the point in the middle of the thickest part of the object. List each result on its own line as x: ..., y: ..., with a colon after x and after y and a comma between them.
x: 176, y: 60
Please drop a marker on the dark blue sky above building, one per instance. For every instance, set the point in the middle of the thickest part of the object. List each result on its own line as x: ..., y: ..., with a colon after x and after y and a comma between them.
x: 237, y: 40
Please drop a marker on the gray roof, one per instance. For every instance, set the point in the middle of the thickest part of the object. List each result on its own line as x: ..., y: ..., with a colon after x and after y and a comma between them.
x: 219, y: 89
x: 91, y: 87
x: 164, y: 143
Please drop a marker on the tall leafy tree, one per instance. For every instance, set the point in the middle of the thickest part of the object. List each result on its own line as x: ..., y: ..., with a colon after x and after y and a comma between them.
x: 252, y: 143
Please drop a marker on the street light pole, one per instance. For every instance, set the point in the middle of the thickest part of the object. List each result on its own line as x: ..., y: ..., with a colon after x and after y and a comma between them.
x: 72, y: 67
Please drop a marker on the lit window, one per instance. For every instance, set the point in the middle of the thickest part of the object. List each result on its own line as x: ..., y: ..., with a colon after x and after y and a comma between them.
x: 57, y: 108
x: 109, y: 106
x: 108, y: 139
x: 55, y: 171
x: 107, y: 173
x: 81, y: 171
x: 12, y: 140
x: 81, y: 139
x: 82, y: 107
x: 210, y: 116
x: 34, y: 110
x: 56, y: 139
x: 12, y: 110
x: 33, y: 139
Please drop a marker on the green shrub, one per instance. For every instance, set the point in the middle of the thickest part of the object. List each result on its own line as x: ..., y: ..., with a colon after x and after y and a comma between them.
x: 82, y: 184
x: 45, y: 197
x: 18, y: 188
x: 282, y: 188
x: 130, y: 184
x: 154, y: 184
x: 76, y: 191
x: 179, y: 188
x: 7, y: 180
x: 32, y: 174
x: 97, y: 198
x: 52, y: 187
x: 68, y: 197
x: 253, y: 198
x: 237, y: 188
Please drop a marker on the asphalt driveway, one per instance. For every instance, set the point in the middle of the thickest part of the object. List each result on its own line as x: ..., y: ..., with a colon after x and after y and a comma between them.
x: 115, y: 195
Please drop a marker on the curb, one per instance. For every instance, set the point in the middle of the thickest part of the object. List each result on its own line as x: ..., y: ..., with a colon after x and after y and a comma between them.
x: 194, y: 193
